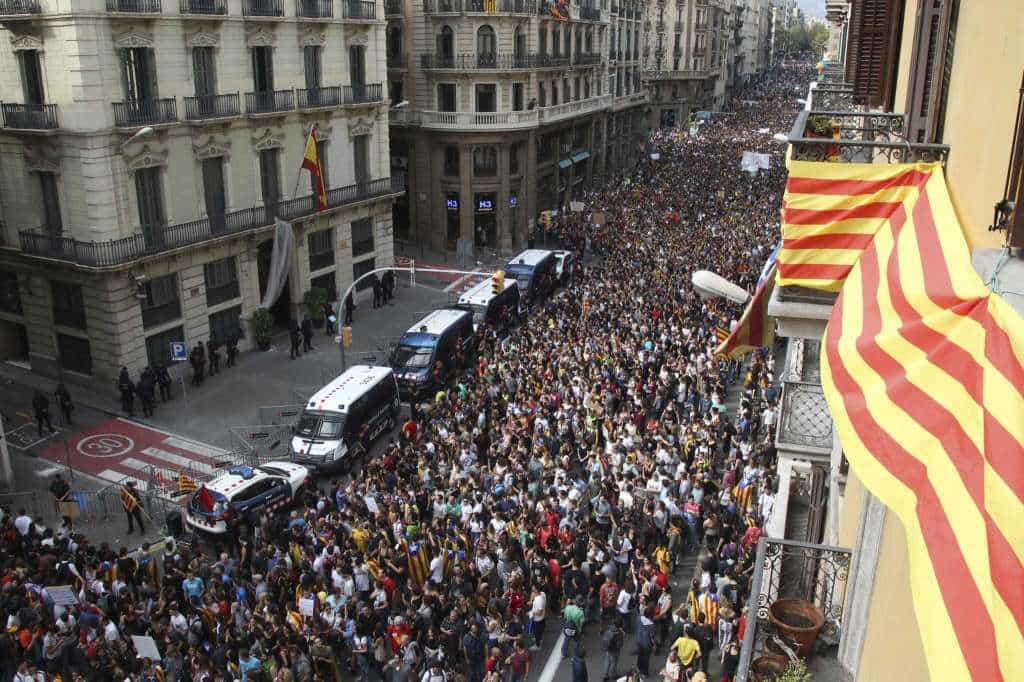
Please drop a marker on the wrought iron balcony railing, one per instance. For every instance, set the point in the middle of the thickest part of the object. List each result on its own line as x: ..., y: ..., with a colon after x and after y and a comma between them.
x: 864, y: 137
x: 202, y: 107
x: 366, y: 93
x: 587, y: 59
x: 393, y: 8
x: 479, y: 6
x: 30, y: 116
x: 163, y: 238
x: 134, y: 6
x: 269, y: 101
x: 204, y: 7
x: 358, y: 10
x: 590, y: 13
x: 312, y: 98
x: 498, y: 62
x: 133, y: 114
x: 314, y: 9
x: 262, y: 8
x: 833, y: 97
x: 788, y: 569
x: 10, y: 8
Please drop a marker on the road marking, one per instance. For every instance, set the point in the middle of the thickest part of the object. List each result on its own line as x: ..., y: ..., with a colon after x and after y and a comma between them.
x: 194, y: 446
x: 462, y: 279
x: 185, y: 463
x: 105, y: 445
x: 169, y: 476
x: 49, y: 471
x: 554, y: 660
x: 26, y: 416
x: 117, y: 477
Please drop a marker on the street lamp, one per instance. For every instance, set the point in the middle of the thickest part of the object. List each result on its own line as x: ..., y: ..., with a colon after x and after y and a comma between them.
x: 781, y: 138
x: 710, y: 285
x: 139, y: 134
x: 401, y: 105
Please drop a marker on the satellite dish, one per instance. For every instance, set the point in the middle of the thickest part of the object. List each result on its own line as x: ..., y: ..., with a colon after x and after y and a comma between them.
x: 710, y: 285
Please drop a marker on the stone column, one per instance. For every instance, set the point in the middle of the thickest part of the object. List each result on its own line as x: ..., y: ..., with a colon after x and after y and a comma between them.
x: 504, y: 213
x: 466, y: 224
x: 528, y: 187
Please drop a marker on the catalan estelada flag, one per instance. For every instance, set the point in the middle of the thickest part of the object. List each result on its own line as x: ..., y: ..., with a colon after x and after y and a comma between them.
x: 923, y: 370
x: 754, y: 329
x: 419, y: 564
x: 311, y: 162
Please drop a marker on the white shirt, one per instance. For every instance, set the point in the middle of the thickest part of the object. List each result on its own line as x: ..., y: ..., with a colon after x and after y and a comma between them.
x: 622, y: 604
x: 110, y: 632
x: 23, y: 523
x: 540, y: 607
x: 437, y: 570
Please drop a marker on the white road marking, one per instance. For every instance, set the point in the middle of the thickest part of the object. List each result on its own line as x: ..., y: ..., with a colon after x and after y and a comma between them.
x: 554, y: 660
x: 194, y: 446
x: 461, y: 280
x: 49, y: 471
x: 118, y: 476
x: 185, y: 463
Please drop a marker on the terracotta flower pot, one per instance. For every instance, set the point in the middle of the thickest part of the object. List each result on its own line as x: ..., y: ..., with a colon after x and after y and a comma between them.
x: 767, y: 667
x: 798, y: 620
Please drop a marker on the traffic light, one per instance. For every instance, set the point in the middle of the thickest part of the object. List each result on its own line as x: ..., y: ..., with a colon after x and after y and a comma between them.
x: 545, y: 218
x: 346, y: 337
x: 498, y: 282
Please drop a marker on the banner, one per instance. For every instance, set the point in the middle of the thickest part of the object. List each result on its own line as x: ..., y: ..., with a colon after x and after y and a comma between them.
x: 560, y: 10
x: 280, y: 262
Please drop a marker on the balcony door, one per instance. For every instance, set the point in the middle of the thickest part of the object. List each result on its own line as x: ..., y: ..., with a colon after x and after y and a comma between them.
x: 263, y: 69
x: 312, y: 67
x: 138, y: 74
x: 31, y: 77
x: 270, y: 180
x: 204, y: 74
x: 446, y: 44
x: 213, y: 193
x: 150, y: 196
x: 486, y: 47
x: 361, y: 154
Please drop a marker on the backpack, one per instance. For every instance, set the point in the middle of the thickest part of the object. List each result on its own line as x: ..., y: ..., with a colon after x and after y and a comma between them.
x: 569, y: 628
x: 64, y: 571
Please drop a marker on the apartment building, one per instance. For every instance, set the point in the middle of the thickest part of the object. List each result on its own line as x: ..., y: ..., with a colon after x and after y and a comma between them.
x: 508, y: 111
x: 902, y: 87
x: 147, y: 147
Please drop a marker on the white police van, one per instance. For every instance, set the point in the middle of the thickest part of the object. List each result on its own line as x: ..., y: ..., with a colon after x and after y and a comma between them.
x: 438, y: 337
x: 352, y: 410
x: 229, y: 498
x: 501, y: 311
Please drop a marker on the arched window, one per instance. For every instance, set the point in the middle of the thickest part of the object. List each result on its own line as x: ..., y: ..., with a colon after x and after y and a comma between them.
x: 446, y: 44
x: 486, y: 46
x: 519, y: 42
x: 394, y: 40
x: 485, y: 161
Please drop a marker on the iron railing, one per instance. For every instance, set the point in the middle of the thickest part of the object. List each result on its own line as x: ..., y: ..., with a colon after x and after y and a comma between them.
x: 204, y: 7
x: 479, y: 6
x: 314, y: 9
x: 358, y: 10
x: 135, y: 6
x: 311, y: 98
x: 132, y: 114
x: 500, y: 62
x: 203, y: 107
x: 789, y: 569
x: 261, y: 443
x: 833, y: 98
x: 868, y: 137
x: 590, y: 13
x: 393, y: 8
x: 14, y: 7
x: 805, y: 423
x: 262, y: 8
x: 269, y: 101
x: 30, y: 116
x: 127, y: 249
x: 364, y: 93
x: 587, y: 59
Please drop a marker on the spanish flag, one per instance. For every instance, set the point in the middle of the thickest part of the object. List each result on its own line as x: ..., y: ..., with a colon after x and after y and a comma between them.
x: 923, y: 368
x: 311, y: 162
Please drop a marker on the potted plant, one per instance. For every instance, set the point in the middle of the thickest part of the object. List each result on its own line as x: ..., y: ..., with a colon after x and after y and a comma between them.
x: 799, y: 621
x: 767, y: 667
x: 262, y: 327
x: 818, y: 126
x: 315, y: 300
x: 796, y: 671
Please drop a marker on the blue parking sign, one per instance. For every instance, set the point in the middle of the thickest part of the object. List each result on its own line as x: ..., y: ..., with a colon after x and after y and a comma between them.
x: 178, y: 351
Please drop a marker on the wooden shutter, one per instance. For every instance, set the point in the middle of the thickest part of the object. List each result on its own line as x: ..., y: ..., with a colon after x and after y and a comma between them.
x: 1015, y: 177
x: 876, y: 27
x: 931, y: 65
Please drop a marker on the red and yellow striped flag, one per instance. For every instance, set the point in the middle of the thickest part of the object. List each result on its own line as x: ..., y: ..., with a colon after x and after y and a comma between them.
x: 186, y: 484
x: 311, y: 162
x: 754, y: 330
x: 923, y: 370
x: 419, y: 564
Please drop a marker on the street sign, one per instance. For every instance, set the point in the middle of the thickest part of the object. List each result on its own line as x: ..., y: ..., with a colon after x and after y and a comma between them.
x: 178, y: 351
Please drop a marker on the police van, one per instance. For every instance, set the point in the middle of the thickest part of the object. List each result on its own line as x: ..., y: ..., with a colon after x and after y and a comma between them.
x: 344, y: 417
x: 437, y: 338
x: 500, y: 311
x: 534, y: 271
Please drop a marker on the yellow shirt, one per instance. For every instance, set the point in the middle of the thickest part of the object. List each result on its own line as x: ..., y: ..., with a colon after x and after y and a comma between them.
x: 663, y: 558
x: 360, y: 536
x: 687, y: 649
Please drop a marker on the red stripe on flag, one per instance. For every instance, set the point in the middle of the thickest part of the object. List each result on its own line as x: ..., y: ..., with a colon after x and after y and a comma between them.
x: 842, y: 240
x: 827, y: 271
x: 809, y: 216
x: 853, y: 187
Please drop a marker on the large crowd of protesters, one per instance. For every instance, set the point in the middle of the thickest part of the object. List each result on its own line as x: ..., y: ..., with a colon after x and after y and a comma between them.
x: 598, y: 476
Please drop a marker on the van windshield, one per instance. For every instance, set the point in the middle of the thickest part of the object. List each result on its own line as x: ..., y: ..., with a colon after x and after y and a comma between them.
x: 320, y: 425
x: 412, y: 356
x: 522, y: 274
x: 479, y: 313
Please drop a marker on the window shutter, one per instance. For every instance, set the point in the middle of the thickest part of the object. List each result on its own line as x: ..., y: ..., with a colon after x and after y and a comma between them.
x: 875, y: 47
x: 934, y: 40
x: 1015, y: 177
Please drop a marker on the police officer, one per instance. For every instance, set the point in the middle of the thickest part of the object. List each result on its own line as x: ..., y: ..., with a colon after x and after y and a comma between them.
x: 163, y: 379
x: 41, y: 406
x: 197, y: 358
x: 232, y: 349
x: 147, y: 392
x: 64, y: 402
x: 307, y: 333
x: 296, y: 335
x: 213, y: 355
x: 376, y: 290
x: 127, y: 388
x: 350, y: 306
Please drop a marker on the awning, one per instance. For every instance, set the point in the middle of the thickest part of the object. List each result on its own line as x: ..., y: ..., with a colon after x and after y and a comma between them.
x: 582, y: 156
x: 921, y: 365
x: 565, y: 163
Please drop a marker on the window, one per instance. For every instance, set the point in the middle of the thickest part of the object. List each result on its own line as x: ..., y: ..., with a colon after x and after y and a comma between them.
x: 485, y: 161
x: 361, y: 158
x: 138, y: 74
x: 31, y: 77
x: 517, y: 96
x: 486, y: 97
x: 875, y: 29
x: 556, y: 41
x: 158, y: 346
x: 311, y: 65
x: 394, y: 42
x: 52, y: 223
x: 396, y: 92
x: 224, y: 325
x: 361, y: 268
x: 513, y: 159
x: 542, y: 41
x: 68, y: 304
x: 150, y: 197
x: 327, y: 283
x: 321, y: 249
x: 213, y: 193
x: 10, y: 294
x: 362, y: 237
x: 486, y: 43
x: 446, y: 44
x: 204, y: 75
x: 270, y: 184
x: 263, y: 69
x: 161, y: 303
x: 221, y: 278
x: 451, y: 161
x: 932, y: 65
x: 576, y: 88
x: 357, y: 65
x: 554, y: 93
x: 74, y: 353
x: 446, y: 97
x: 321, y: 151
x: 542, y: 97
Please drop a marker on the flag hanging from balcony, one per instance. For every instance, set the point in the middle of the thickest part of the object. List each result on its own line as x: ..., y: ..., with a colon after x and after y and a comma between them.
x: 560, y: 9
x: 923, y: 369
x: 754, y: 330
x: 311, y: 162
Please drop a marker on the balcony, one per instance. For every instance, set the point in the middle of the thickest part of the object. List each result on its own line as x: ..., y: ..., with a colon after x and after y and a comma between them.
x: 583, y: 59
x: 210, y: 107
x: 358, y: 10
x: 267, y: 9
x: 590, y: 13
x: 10, y: 9
x: 466, y: 120
x: 560, y: 112
x: 316, y: 98
x: 613, y: 55
x: 204, y: 8
x: 363, y: 94
x: 676, y: 74
x: 314, y: 9
x: 269, y: 102
x: 869, y: 137
x: 393, y: 8
x: 788, y: 569
x: 527, y: 7
x: 833, y: 97
x: 31, y: 117
x: 134, y: 6
x: 116, y: 252
x: 491, y: 62
x: 145, y: 113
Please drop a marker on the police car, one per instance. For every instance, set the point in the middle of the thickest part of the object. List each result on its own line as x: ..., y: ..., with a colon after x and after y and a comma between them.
x: 225, y: 500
